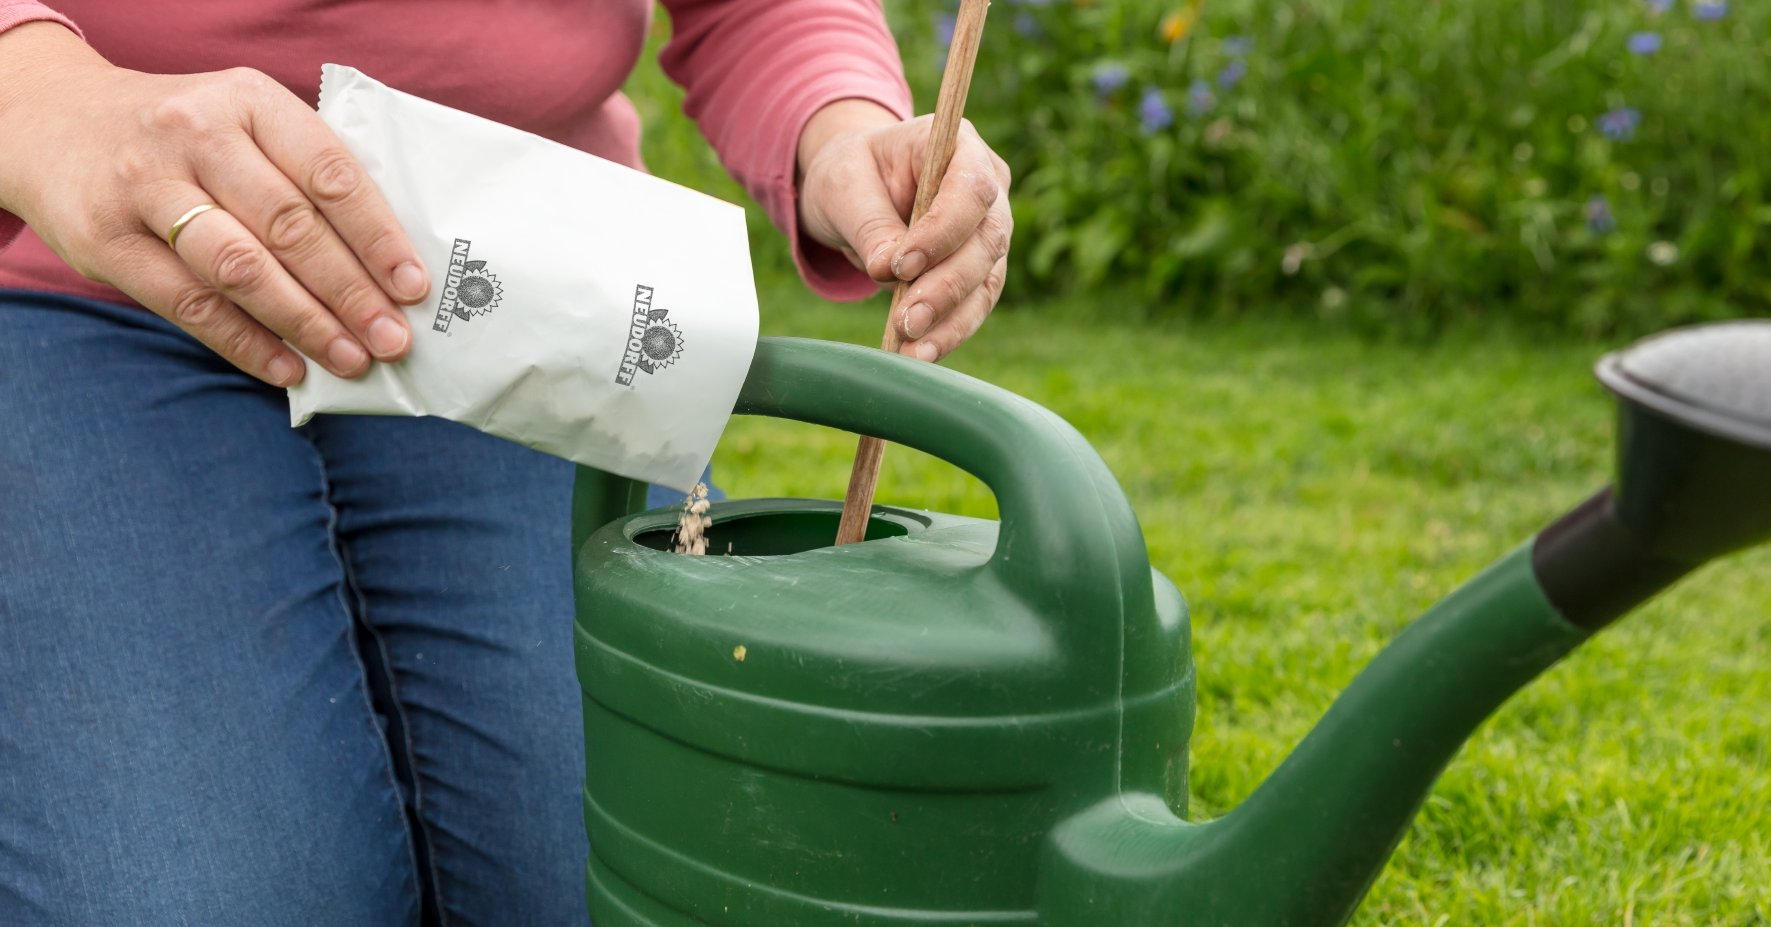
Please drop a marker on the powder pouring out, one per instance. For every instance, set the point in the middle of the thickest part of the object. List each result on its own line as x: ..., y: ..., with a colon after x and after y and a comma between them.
x: 692, y: 523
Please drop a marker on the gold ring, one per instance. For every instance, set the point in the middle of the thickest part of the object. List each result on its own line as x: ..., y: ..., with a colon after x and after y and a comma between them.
x: 184, y: 220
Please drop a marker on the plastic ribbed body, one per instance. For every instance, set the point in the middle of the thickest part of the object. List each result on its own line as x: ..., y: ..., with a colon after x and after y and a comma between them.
x: 877, y: 734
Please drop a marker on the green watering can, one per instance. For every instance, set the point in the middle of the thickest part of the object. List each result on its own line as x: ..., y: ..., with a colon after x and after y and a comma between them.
x: 961, y: 722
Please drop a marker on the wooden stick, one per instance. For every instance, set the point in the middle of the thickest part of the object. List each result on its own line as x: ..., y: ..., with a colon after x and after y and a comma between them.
x: 968, y: 29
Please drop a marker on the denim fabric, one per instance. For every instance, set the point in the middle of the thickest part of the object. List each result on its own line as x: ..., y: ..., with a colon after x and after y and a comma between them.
x: 259, y: 675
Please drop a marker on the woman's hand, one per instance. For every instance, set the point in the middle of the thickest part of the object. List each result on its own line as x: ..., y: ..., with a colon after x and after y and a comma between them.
x: 101, y: 162
x: 858, y: 172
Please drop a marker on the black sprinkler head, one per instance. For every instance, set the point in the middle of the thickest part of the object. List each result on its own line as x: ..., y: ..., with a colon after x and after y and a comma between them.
x: 1694, y: 438
x: 1693, y: 472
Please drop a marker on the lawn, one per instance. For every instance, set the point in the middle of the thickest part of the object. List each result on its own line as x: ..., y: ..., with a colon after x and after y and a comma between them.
x: 1310, y: 492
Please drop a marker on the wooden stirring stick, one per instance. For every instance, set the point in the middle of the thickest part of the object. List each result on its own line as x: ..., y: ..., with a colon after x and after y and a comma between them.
x: 968, y: 28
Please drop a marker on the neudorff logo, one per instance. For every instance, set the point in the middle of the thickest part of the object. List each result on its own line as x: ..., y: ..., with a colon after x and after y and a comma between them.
x: 468, y: 291
x: 653, y: 341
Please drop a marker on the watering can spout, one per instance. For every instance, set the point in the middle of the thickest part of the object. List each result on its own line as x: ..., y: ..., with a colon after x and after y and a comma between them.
x: 1303, y: 849
x: 1693, y: 484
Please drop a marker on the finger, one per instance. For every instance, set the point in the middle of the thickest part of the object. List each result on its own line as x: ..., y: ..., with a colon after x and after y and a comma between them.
x: 306, y: 151
x: 220, y: 251
x: 956, y: 327
x: 862, y: 213
x: 1004, y: 176
x: 941, y: 289
x: 968, y: 191
x: 292, y: 229
x: 157, y: 279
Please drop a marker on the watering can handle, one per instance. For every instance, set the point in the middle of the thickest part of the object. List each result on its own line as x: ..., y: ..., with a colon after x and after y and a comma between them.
x: 1067, y: 529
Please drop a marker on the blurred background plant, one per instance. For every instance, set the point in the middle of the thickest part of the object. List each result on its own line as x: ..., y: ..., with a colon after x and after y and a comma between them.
x: 1587, y: 166
x: 1582, y: 165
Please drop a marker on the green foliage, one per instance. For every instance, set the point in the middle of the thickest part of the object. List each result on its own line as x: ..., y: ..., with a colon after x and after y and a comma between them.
x: 1420, y: 163
x: 1309, y: 493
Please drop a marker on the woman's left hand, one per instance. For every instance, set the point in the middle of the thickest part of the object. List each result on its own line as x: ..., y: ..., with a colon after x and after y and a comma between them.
x: 858, y: 167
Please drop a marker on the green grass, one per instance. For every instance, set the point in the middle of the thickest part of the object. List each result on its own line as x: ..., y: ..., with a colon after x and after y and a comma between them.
x: 1310, y: 494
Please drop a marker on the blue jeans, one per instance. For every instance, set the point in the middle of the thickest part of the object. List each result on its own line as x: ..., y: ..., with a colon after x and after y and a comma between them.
x: 259, y: 675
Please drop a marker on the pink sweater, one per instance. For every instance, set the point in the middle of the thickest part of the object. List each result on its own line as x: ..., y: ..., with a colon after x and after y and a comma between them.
x: 755, y: 71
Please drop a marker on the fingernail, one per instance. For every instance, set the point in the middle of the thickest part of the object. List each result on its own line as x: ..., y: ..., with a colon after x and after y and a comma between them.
x: 916, y: 321
x: 345, y: 357
x: 926, y: 351
x: 910, y: 265
x: 411, y: 281
x: 879, y: 251
x: 387, y: 337
x: 284, y: 370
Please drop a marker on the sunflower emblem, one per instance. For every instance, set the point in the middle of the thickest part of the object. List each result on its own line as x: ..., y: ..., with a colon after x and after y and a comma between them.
x: 661, y: 344
x: 478, y: 292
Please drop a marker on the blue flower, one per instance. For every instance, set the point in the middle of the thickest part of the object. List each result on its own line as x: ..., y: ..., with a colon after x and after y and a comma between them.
x: 1711, y: 9
x: 1599, y: 217
x: 1232, y: 73
x: 1659, y: 6
x: 1027, y: 25
x: 1200, y: 99
x: 1237, y: 46
x: 1153, y: 112
x: 944, y: 29
x: 1644, y: 43
x: 1620, y: 124
x: 1109, y: 76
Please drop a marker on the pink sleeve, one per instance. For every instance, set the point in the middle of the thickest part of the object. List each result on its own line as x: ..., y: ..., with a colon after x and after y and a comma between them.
x: 17, y: 13
x: 756, y: 71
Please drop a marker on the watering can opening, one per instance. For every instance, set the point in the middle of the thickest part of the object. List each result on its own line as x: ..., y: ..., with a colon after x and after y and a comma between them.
x: 773, y: 527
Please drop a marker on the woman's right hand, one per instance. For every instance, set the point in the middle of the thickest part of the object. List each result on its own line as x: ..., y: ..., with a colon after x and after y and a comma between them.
x: 101, y: 161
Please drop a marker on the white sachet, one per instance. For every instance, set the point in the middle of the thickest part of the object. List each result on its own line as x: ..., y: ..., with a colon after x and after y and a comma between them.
x: 577, y: 306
